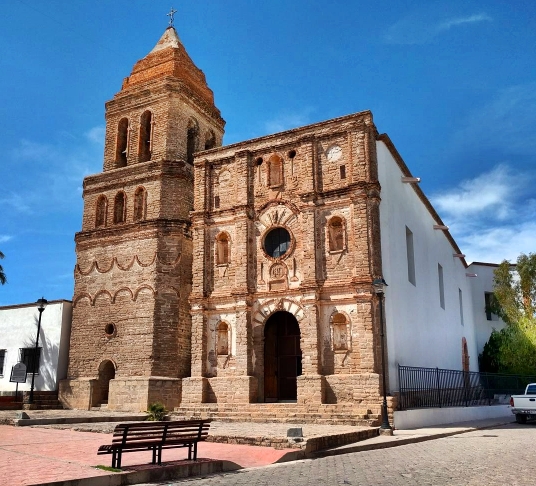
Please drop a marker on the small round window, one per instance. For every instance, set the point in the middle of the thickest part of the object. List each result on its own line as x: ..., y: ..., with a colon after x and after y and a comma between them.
x: 110, y: 330
x: 277, y: 242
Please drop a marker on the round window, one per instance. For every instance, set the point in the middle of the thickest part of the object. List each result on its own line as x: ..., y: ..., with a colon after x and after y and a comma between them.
x: 109, y: 329
x: 277, y: 242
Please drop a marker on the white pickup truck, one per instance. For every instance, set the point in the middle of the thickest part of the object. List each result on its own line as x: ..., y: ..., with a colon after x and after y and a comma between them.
x: 524, y: 406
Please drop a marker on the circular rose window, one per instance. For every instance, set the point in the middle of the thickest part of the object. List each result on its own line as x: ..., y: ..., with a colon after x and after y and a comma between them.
x: 277, y: 242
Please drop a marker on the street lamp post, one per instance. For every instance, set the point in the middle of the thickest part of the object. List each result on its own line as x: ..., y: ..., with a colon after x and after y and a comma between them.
x: 41, y: 304
x: 379, y: 285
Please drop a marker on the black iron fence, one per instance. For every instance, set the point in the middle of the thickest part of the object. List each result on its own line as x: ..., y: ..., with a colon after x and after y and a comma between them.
x: 435, y: 387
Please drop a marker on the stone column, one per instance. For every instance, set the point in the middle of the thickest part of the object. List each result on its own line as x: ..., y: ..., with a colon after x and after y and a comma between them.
x: 199, y: 341
x: 310, y: 383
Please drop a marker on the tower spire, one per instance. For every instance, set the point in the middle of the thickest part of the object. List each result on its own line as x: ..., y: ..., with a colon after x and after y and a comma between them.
x: 171, y: 15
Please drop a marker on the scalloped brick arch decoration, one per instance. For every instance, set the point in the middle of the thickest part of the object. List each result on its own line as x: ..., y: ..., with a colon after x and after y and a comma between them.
x: 266, y: 309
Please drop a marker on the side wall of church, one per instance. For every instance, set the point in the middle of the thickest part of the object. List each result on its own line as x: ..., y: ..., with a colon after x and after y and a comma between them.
x: 421, y: 331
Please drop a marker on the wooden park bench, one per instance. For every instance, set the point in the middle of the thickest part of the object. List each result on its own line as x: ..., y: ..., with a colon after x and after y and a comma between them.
x: 155, y: 436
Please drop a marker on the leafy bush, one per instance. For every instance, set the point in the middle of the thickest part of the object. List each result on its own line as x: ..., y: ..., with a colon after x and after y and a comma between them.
x: 511, y: 350
x: 156, y: 412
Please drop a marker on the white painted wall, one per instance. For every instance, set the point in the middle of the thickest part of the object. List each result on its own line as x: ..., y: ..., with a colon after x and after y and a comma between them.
x: 426, y: 417
x: 18, y: 329
x: 418, y: 331
x: 481, y: 284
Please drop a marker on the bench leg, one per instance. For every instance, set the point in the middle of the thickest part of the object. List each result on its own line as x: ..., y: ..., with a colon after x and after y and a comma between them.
x: 119, y: 453
x: 154, y: 455
x: 160, y: 456
x: 114, y: 459
x: 195, y: 451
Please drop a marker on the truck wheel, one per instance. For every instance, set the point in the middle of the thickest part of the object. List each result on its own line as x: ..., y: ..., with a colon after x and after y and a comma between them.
x: 520, y: 418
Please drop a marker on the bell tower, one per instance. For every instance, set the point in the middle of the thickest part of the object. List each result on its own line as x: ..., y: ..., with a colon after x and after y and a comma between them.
x: 131, y: 329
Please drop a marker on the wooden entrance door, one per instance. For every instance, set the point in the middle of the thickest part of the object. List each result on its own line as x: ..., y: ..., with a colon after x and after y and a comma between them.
x: 282, y: 357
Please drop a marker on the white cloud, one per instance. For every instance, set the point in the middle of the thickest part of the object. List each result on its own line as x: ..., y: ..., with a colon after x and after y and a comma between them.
x: 96, y: 134
x: 20, y: 202
x: 491, y: 216
x: 4, y: 238
x: 48, y: 176
x: 423, y: 25
x: 496, y: 244
x: 447, y: 24
x: 487, y: 193
x: 29, y: 150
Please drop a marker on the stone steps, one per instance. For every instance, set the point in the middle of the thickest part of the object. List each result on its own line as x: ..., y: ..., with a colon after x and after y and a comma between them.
x: 283, y: 413
x: 44, y: 400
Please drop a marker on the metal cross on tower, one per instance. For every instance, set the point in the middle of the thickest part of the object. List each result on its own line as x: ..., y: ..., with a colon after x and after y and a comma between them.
x: 171, y: 13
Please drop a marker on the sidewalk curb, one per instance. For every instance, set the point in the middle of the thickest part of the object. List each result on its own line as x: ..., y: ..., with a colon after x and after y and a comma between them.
x: 163, y: 473
x: 395, y: 443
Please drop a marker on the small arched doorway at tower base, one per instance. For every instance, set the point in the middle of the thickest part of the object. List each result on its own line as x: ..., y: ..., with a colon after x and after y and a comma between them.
x: 101, y: 387
x: 282, y: 357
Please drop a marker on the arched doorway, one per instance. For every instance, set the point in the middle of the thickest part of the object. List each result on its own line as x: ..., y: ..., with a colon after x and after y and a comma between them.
x: 282, y: 357
x: 102, y: 388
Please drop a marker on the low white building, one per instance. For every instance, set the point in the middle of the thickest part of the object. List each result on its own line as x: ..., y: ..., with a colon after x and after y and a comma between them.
x: 482, y: 291
x: 18, y: 332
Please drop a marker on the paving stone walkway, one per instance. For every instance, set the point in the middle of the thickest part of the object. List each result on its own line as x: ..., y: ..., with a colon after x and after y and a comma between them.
x: 41, y: 454
x: 36, y: 455
x: 494, y: 457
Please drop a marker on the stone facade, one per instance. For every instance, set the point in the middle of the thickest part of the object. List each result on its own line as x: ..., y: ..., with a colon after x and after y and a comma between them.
x: 131, y: 316
x: 239, y: 275
x: 325, y: 196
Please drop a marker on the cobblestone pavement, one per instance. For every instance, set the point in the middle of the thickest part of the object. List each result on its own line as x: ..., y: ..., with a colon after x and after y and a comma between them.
x: 497, y: 456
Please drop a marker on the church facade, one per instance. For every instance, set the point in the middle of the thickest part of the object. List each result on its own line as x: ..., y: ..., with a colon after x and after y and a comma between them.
x: 212, y: 276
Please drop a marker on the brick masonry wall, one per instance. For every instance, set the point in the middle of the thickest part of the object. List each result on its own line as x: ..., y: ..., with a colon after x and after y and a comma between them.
x: 158, y: 280
x: 133, y: 278
x: 136, y: 394
x: 233, y: 186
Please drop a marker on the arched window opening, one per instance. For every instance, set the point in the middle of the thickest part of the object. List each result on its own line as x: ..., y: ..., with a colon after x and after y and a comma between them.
x: 340, y: 332
x: 191, y: 142
x: 210, y: 140
x: 146, y: 136
x: 119, y: 208
x: 275, y: 171
x: 222, y: 249
x: 140, y: 204
x: 336, y: 234
x: 121, y: 148
x: 223, y: 339
x: 101, y: 211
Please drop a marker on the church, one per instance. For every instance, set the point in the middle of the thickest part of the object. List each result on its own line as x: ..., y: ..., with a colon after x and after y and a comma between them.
x: 238, y: 278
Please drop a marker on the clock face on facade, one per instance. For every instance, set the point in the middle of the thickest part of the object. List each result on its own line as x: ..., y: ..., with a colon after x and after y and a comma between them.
x: 334, y: 153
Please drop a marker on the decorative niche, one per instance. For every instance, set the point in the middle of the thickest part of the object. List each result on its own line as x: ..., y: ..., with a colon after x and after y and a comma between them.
x: 340, y: 333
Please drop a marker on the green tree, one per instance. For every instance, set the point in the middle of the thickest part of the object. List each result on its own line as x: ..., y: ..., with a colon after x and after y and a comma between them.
x: 514, y: 288
x: 513, y: 349
x: 3, y: 278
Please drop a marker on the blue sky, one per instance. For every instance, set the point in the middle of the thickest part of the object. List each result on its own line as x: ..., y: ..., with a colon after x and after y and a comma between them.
x: 452, y: 83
